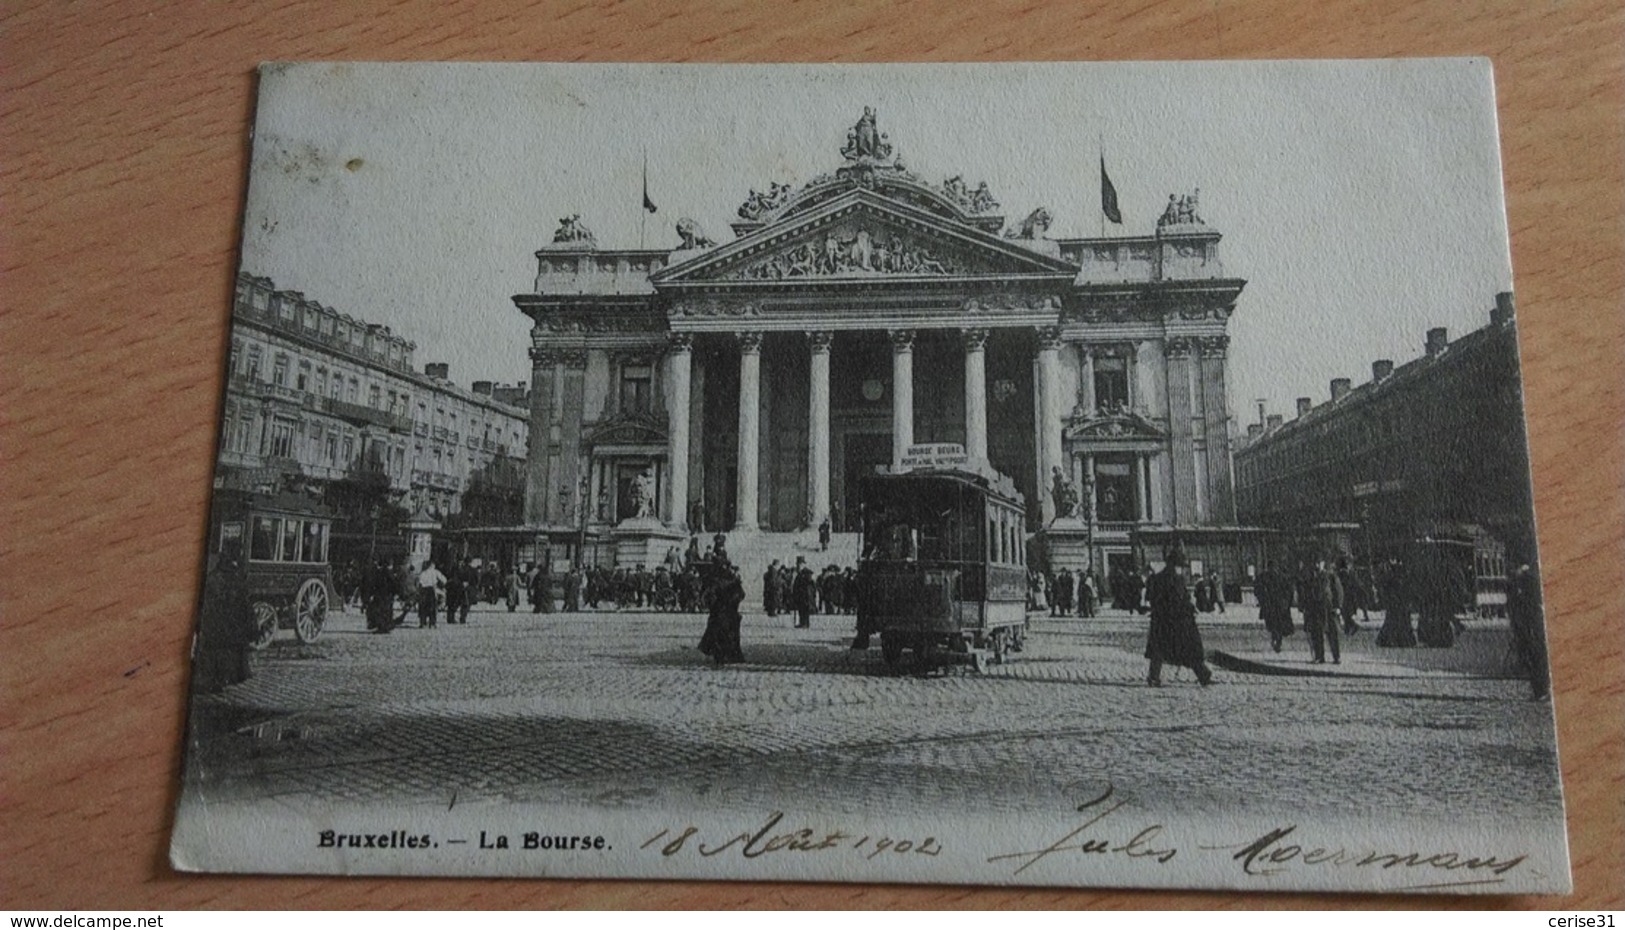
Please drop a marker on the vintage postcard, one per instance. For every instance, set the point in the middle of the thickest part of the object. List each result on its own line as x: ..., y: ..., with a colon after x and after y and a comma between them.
x: 1063, y: 474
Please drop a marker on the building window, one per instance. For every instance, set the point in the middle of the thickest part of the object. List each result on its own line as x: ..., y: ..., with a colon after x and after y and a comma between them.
x: 636, y: 381
x: 354, y: 392
x: 373, y: 395
x: 321, y: 381
x: 327, y: 326
x: 332, y: 448
x: 1114, y: 489
x: 349, y: 449
x: 252, y: 365
x: 302, y: 380
x: 279, y: 374
x: 282, y: 439
x: 1111, y: 383
x: 285, y: 308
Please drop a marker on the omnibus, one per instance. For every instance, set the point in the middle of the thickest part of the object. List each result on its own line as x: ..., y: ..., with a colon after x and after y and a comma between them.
x: 281, y: 542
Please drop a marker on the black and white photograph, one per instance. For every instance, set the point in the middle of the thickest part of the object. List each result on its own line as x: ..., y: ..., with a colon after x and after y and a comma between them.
x: 1094, y: 475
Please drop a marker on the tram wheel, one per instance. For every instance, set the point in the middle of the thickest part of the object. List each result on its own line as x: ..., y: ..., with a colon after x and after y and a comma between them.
x: 310, y: 606
x: 264, y: 625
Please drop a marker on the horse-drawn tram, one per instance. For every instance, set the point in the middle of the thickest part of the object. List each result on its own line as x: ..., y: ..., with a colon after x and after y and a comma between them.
x: 280, y: 540
x: 943, y: 575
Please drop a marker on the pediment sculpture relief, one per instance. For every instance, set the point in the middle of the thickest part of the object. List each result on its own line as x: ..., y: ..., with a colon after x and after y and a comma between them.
x: 853, y: 251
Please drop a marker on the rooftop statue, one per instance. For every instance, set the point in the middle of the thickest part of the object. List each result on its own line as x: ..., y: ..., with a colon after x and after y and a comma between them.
x: 1181, y: 211
x: 865, y: 141
x: 1033, y: 227
x: 571, y: 230
x: 759, y: 204
x: 693, y: 237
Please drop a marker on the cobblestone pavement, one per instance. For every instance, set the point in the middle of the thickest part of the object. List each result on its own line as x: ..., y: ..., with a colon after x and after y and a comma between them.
x: 620, y: 710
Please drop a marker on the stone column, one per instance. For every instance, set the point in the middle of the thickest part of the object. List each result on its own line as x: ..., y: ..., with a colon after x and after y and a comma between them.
x: 975, y: 393
x: 818, y: 429
x: 1181, y: 441
x: 680, y: 360
x: 1086, y: 378
x: 1142, y: 488
x: 1088, y: 487
x: 750, y: 389
x: 902, y: 393
x: 1049, y: 414
x: 538, y: 447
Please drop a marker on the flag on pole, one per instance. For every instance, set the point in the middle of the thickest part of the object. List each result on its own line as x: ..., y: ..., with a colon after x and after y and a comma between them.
x: 647, y: 203
x: 1108, y: 195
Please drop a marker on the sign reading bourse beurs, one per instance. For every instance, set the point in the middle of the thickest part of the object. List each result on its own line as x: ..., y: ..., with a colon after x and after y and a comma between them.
x: 933, y: 455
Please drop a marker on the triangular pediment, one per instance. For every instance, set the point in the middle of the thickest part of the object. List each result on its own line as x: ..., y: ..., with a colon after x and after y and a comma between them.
x: 629, y: 429
x: 862, y: 236
x: 1111, y: 426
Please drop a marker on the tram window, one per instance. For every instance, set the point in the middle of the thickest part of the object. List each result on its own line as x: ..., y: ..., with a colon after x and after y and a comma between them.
x: 290, y: 541
x: 262, y: 547
x: 313, y: 543
x: 992, y: 539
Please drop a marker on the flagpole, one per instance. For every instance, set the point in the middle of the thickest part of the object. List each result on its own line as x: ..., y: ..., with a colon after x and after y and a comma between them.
x: 1100, y: 142
x: 643, y: 213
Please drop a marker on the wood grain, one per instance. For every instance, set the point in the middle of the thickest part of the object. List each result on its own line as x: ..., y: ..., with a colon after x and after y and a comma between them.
x: 124, y: 128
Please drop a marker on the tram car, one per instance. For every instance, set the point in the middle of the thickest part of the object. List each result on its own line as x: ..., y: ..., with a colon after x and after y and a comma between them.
x: 281, y: 541
x: 943, y: 575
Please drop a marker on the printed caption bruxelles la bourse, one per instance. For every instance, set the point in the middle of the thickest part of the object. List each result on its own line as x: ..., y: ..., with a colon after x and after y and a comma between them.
x: 401, y: 839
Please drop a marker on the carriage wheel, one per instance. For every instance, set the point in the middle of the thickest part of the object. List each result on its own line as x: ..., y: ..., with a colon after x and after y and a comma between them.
x: 310, y: 610
x: 891, y: 648
x: 264, y: 625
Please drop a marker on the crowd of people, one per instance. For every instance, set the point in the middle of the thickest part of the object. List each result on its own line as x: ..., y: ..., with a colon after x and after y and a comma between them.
x: 1067, y: 593
x: 796, y: 590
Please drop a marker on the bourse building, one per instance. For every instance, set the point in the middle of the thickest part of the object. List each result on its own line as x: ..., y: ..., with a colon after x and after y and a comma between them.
x: 745, y: 386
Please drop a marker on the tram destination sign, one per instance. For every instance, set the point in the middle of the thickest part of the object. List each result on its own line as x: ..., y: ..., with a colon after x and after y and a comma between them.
x: 934, y: 455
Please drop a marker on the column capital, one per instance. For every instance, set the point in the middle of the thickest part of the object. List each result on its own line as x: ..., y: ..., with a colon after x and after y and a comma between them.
x: 1212, y: 346
x: 1178, y: 346
x: 680, y: 342
x: 750, y: 340
x: 974, y: 338
x: 1049, y: 337
x: 902, y: 340
x: 820, y: 339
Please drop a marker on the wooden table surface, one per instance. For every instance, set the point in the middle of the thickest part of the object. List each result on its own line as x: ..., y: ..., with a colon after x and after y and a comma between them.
x: 124, y: 169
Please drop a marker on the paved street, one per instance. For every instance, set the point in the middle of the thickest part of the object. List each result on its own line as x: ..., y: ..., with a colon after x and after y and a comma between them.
x: 620, y: 710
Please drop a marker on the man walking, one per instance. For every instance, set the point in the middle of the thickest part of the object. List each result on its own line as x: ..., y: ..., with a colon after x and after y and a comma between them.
x: 1319, y: 599
x: 1173, y: 637
x: 430, y: 581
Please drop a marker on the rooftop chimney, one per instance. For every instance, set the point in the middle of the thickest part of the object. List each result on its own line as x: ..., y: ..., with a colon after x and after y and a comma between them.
x: 1255, y: 430
x: 1340, y: 387
x: 1274, y: 422
x: 441, y: 370
x: 1381, y: 369
x: 1304, y: 404
x: 482, y: 387
x: 1438, y: 338
x: 1504, y: 311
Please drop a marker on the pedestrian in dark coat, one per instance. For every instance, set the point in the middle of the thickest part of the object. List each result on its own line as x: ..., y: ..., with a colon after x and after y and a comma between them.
x: 1274, y: 592
x: 803, y: 597
x: 456, y: 593
x: 511, y: 589
x: 823, y: 536
x: 378, y: 597
x: 721, y: 638
x: 1394, y: 589
x: 1529, y: 628
x: 226, y: 627
x: 572, y: 591
x: 770, y: 589
x: 541, y: 589
x: 1173, y: 637
x: 1318, y: 597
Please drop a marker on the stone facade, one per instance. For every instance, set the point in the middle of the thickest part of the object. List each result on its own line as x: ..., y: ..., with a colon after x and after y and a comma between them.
x: 317, y: 398
x: 866, y: 310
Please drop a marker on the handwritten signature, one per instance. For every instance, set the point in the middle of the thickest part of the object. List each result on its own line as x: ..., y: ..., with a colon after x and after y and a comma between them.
x: 1270, y: 855
x: 765, y: 841
x: 1086, y: 839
